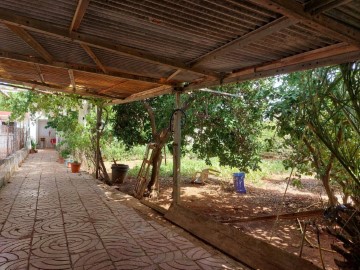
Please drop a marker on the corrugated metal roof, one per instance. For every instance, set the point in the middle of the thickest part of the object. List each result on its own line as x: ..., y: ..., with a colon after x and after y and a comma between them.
x: 133, y: 46
x: 12, y: 42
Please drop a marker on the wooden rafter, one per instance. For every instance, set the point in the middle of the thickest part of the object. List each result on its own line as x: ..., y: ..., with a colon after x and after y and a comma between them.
x: 173, y: 75
x: 79, y: 14
x: 315, y: 7
x: 8, y: 17
x: 41, y: 76
x: 246, y: 39
x: 321, y: 22
x: 108, y: 89
x: 77, y: 67
x: 72, y: 79
x: 94, y: 57
x: 158, y: 91
x: 31, y: 42
x: 51, y: 87
x: 331, y: 55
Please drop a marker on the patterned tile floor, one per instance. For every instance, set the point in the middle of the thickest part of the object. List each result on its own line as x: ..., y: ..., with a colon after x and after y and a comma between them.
x: 53, y: 219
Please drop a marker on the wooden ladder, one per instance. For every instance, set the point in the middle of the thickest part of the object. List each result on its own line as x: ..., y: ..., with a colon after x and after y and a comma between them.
x: 143, y: 175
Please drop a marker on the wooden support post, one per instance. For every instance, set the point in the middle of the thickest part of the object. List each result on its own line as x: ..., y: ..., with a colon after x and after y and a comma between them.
x: 98, y: 124
x: 177, y: 150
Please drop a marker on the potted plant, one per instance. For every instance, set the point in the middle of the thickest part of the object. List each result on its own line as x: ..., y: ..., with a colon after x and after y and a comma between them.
x: 33, y: 147
x: 75, y: 166
x: 64, y: 153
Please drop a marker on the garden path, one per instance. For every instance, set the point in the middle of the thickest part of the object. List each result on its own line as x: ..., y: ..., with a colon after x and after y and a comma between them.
x: 51, y: 218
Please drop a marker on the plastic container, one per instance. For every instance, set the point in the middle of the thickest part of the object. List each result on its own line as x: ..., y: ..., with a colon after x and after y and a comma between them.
x: 239, y: 182
x: 68, y: 162
x: 118, y: 173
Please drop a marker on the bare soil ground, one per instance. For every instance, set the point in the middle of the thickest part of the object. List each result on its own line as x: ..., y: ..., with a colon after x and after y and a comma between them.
x: 218, y: 200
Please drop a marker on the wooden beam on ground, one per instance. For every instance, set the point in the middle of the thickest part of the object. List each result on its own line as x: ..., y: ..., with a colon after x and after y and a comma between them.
x: 154, y: 206
x: 315, y: 7
x: 246, y: 39
x: 80, y: 67
x: 94, y: 57
x: 72, y: 79
x: 8, y: 17
x: 41, y: 76
x: 79, y: 14
x: 303, y: 214
x: 25, y: 36
x: 320, y: 22
x: 331, y: 55
x: 254, y: 252
x: 158, y: 91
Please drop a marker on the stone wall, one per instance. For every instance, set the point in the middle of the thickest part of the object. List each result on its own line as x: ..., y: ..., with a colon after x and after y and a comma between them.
x: 10, y: 164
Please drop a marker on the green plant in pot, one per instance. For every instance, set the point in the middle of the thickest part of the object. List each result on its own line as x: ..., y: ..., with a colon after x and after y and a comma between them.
x: 64, y: 153
x: 33, y: 147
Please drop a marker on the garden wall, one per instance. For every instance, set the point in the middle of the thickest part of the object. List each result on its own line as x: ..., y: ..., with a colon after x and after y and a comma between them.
x: 10, y: 164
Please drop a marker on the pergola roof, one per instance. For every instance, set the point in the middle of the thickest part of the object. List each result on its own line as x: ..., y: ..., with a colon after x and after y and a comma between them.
x: 130, y: 50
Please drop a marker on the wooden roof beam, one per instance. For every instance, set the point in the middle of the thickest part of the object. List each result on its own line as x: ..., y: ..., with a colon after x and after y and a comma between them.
x: 320, y: 22
x: 41, y: 76
x: 331, y: 55
x: 8, y: 17
x: 173, y: 75
x: 108, y: 89
x: 94, y: 57
x: 82, y: 68
x: 79, y: 15
x: 25, y: 36
x: 158, y: 91
x: 315, y: 7
x: 246, y: 39
x: 72, y: 79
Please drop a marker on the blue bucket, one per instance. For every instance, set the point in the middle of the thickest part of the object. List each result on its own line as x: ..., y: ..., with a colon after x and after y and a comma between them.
x: 239, y: 182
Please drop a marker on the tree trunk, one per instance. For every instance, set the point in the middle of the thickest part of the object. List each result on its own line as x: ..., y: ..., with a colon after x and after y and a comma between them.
x: 162, y: 138
x: 325, y: 179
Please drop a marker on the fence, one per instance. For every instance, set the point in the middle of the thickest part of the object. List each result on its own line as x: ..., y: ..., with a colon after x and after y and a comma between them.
x: 12, y: 139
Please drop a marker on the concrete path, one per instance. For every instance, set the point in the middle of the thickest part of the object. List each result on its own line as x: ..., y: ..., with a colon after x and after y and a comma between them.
x: 53, y: 219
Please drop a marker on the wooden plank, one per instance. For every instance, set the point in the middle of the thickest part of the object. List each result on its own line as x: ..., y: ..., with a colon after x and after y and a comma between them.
x: 108, y: 89
x: 173, y: 75
x: 72, y: 79
x: 8, y: 17
x: 153, y: 206
x: 331, y: 55
x: 41, y: 76
x: 80, y: 67
x: 79, y: 14
x: 25, y: 36
x: 254, y: 252
x: 177, y: 150
x: 282, y: 216
x: 320, y: 22
x: 158, y: 91
x: 246, y: 39
x: 94, y: 57
x: 315, y: 6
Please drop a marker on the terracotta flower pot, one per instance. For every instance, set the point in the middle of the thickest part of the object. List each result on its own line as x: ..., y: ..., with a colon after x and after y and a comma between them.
x: 75, y: 167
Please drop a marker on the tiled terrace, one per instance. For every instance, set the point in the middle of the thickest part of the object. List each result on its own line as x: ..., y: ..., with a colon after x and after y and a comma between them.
x: 53, y: 219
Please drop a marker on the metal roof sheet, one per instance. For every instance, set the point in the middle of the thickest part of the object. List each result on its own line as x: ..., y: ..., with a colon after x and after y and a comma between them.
x: 123, y: 48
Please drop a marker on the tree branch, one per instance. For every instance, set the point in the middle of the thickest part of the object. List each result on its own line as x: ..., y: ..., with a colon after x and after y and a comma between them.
x: 151, y: 114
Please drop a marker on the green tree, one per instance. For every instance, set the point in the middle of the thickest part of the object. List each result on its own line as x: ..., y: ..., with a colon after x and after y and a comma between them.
x: 214, y: 126
x: 317, y: 111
